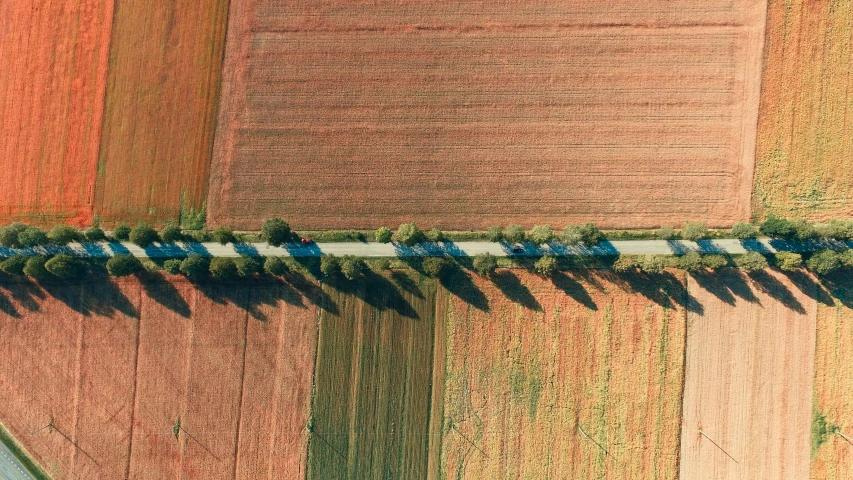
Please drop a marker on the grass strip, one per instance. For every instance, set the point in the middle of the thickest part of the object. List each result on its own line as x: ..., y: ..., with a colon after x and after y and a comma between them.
x: 18, y: 451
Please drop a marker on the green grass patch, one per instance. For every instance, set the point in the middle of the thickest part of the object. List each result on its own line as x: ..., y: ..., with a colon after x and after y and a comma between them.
x: 821, y: 429
x: 18, y: 451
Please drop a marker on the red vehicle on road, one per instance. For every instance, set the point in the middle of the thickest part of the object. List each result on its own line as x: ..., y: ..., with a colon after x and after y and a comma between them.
x: 306, y: 241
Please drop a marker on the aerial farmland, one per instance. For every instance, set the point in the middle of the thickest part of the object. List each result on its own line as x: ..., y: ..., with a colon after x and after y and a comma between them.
x: 337, y: 239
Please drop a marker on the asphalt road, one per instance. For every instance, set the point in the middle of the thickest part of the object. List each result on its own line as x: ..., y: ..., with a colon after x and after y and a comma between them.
x: 10, y: 467
x: 633, y: 247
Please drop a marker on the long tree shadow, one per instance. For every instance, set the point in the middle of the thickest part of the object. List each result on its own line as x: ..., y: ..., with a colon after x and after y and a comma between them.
x: 726, y: 284
x: 811, y: 288
x: 840, y: 286
x: 406, y: 283
x: 376, y: 291
x: 459, y: 283
x: 768, y: 284
x: 665, y: 289
x: 312, y: 292
x: 24, y: 292
x: 574, y: 289
x: 508, y: 283
x: 98, y: 296
x: 164, y: 292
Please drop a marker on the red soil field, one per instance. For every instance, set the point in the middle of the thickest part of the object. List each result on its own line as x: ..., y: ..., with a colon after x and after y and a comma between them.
x: 116, y: 365
x: 163, y: 86
x: 459, y: 115
x: 748, y: 378
x: 53, y: 62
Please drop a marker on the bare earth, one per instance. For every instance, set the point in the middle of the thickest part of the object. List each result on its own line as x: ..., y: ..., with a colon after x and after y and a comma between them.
x: 625, y: 113
x: 748, y: 379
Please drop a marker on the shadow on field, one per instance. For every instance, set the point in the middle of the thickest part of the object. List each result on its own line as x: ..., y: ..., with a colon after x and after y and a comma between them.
x: 459, y: 283
x: 665, y: 289
x: 840, y: 285
x: 376, y: 291
x: 25, y: 294
x: 508, y: 283
x: 311, y: 292
x: 813, y: 289
x: 726, y: 284
x: 97, y: 295
x: 163, y: 292
x: 406, y: 283
x: 574, y: 289
x: 766, y: 283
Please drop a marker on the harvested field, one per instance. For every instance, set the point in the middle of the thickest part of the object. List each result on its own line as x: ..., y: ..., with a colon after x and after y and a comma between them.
x: 373, y: 376
x: 551, y: 374
x: 748, y: 378
x: 832, y: 454
x: 465, y: 115
x: 165, y: 66
x: 803, y: 157
x: 116, y: 365
x: 53, y: 62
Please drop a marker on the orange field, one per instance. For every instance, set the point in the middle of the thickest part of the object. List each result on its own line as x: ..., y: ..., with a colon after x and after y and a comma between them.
x: 53, y: 60
x: 114, y: 366
x: 161, y: 96
x: 803, y: 159
x: 575, y: 378
x: 339, y: 114
x: 748, y: 378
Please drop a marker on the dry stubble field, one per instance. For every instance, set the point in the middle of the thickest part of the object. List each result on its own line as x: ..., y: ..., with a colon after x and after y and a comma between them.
x: 116, y: 365
x: 628, y: 114
x: 803, y: 158
x: 53, y: 67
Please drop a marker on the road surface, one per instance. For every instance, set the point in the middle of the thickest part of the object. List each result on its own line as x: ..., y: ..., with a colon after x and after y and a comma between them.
x: 460, y: 249
x: 10, y: 467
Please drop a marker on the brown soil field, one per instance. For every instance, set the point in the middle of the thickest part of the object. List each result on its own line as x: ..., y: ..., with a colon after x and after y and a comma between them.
x: 803, y: 157
x: 748, y: 378
x: 570, y: 378
x: 53, y: 62
x: 832, y: 454
x: 461, y: 115
x: 115, y: 365
x: 161, y: 96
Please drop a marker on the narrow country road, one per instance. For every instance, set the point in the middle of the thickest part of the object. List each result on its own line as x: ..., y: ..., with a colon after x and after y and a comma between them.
x: 10, y: 467
x: 460, y: 249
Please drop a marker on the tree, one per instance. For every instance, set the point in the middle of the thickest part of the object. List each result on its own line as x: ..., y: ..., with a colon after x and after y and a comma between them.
x: 172, y: 266
x: 32, y: 237
x: 35, y: 267
x: 665, y: 233
x: 846, y: 258
x: 824, y: 262
x: 223, y: 268
x: 691, y: 262
x: 329, y: 264
x: 540, y: 234
x: 803, y: 229
x: 409, y: 234
x: 494, y: 234
x: 436, y: 235
x: 63, y: 235
x: 171, y: 233
x: 485, y: 263
x: 223, y: 235
x: 383, y: 234
x: 9, y: 235
x: 744, y: 231
x: 776, y: 227
x: 514, y: 233
x: 122, y: 265
x: 546, y: 265
x: 590, y: 234
x: 626, y: 263
x: 195, y: 266
x: 143, y: 235
x: 751, y: 262
x: 352, y: 267
x: 14, y: 265
x: 65, y: 266
x: 571, y: 235
x: 122, y: 232
x: 248, y: 266
x: 435, y: 266
x: 694, y: 231
x: 840, y: 229
x: 652, y: 263
x: 276, y: 231
x: 275, y: 266
x: 788, y: 261
x: 95, y: 234
x: 381, y: 264
x: 715, y: 262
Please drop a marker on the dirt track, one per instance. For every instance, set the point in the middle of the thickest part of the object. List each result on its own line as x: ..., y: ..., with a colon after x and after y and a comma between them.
x: 748, y: 379
x: 341, y: 115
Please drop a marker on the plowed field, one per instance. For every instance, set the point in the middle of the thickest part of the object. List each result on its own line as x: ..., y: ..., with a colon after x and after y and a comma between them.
x: 461, y: 115
x: 165, y: 66
x: 53, y: 61
x: 805, y: 152
x: 748, y: 378
x: 565, y: 379
x: 116, y: 366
